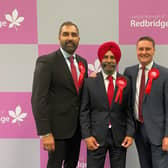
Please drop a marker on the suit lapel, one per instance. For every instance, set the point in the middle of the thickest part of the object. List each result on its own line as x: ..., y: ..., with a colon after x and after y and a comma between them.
x: 145, y: 95
x: 116, y: 89
x: 65, y: 70
x: 134, y: 79
x: 102, y: 89
x: 78, y: 59
x: 103, y: 92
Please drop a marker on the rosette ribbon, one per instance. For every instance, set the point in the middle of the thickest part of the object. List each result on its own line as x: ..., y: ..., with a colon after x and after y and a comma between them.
x: 121, y: 83
x: 152, y: 74
x: 82, y: 72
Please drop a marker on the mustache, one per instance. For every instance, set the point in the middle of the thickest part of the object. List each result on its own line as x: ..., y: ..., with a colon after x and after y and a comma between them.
x: 69, y: 42
x: 108, y: 64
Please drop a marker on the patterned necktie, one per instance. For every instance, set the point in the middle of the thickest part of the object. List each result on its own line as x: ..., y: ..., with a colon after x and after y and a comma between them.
x: 110, y: 90
x: 141, y: 94
x: 74, y: 72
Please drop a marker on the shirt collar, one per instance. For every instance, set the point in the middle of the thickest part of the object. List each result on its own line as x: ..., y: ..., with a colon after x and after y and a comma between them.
x: 66, y: 55
x: 148, y: 67
x: 114, y: 75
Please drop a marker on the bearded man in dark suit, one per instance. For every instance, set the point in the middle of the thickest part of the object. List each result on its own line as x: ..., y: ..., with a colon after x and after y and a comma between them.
x: 57, y: 86
x: 106, y: 118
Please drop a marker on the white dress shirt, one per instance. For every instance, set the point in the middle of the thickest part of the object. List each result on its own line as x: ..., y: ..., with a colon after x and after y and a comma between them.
x: 106, y: 81
x: 138, y: 82
x: 66, y: 56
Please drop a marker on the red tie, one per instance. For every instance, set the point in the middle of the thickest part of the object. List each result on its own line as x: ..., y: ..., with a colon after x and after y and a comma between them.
x: 73, y: 72
x: 141, y: 94
x: 110, y: 90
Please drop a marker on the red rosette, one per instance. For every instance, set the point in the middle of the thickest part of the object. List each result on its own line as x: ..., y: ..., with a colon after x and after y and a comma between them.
x: 82, y: 72
x: 121, y: 83
x: 152, y: 75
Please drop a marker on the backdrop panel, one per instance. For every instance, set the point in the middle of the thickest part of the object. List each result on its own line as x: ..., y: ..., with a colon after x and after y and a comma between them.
x: 93, y: 17
x: 21, y: 44
x: 18, y: 21
x: 20, y: 153
x: 143, y: 18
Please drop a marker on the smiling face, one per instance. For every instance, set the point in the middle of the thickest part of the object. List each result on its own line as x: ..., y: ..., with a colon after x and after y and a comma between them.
x: 69, y: 38
x: 145, y: 52
x: 108, y: 63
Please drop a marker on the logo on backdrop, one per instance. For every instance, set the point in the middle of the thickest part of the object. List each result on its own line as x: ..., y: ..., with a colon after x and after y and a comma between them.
x: 12, y: 20
x: 140, y: 21
x: 95, y: 67
x: 148, y: 21
x: 15, y: 116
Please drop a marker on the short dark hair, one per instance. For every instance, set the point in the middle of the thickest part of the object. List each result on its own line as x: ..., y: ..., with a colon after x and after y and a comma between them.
x: 147, y: 38
x: 68, y: 23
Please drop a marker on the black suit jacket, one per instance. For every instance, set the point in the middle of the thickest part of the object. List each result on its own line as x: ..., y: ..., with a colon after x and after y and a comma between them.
x: 95, y: 112
x: 55, y: 102
x: 154, y: 105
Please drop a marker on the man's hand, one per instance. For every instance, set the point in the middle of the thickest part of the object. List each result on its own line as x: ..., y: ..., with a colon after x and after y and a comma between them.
x: 91, y: 143
x: 48, y: 142
x: 127, y: 142
x: 165, y: 144
x: 93, y: 75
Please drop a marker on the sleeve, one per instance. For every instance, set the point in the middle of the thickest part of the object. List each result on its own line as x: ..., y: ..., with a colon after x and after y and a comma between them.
x: 130, y: 116
x: 86, y: 65
x: 166, y: 106
x: 40, y: 91
x: 85, y: 113
x: 126, y: 73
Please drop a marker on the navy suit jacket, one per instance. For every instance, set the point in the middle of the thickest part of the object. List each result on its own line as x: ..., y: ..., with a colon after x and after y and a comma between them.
x: 155, y: 104
x: 95, y: 112
x: 55, y: 102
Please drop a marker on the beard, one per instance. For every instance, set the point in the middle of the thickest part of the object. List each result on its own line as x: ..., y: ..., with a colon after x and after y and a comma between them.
x: 69, y: 46
x: 108, y: 68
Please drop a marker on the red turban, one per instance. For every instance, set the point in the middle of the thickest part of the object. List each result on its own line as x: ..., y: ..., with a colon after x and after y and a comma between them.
x: 113, y: 47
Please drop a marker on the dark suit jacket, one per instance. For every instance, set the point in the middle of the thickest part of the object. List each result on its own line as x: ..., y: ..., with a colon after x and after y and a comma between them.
x: 55, y: 101
x: 95, y: 112
x: 155, y: 105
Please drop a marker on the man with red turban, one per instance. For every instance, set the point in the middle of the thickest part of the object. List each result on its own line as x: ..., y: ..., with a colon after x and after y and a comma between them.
x: 106, y: 120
